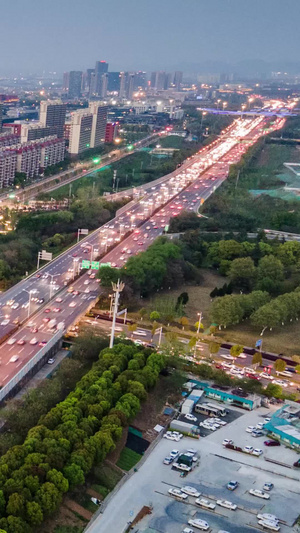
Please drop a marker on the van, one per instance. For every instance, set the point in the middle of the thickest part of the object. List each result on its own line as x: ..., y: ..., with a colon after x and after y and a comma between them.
x: 140, y: 332
x: 286, y: 373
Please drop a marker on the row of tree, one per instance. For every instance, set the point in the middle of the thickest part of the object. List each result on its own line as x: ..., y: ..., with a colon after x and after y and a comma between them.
x: 77, y: 433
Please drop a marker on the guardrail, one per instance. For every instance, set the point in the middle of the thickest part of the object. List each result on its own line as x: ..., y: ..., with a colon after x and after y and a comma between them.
x: 31, y: 363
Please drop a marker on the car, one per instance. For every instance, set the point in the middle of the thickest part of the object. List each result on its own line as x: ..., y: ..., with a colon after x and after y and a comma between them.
x: 260, y: 425
x: 249, y: 429
x: 227, y: 441
x: 58, y: 300
x: 190, y: 491
x: 33, y: 341
x: 56, y: 310
x: 74, y: 255
x: 248, y: 449
x: 266, y: 375
x: 41, y: 301
x: 190, y: 417
x: 198, y: 523
x: 86, y: 282
x: 14, y: 359
x: 271, y: 443
x: 34, y: 329
x: 202, y: 502
x: 47, y: 310
x: 12, y: 340
x: 227, y: 504
x: 267, y: 524
x: 226, y: 356
x: 280, y: 382
x: 5, y: 322
x: 87, y: 290
x: 174, y: 454
x: 21, y: 342
x: 267, y: 420
x: 268, y: 486
x: 178, y: 494
x: 249, y: 370
x: 242, y: 356
x: 259, y: 494
x: 177, y: 434
x: 168, y: 460
x: 257, y: 452
x: 188, y: 530
x: 232, y: 485
x: 51, y: 361
x: 75, y: 293
x: 24, y: 306
x: 257, y: 433
x: 15, y: 306
x: 170, y: 436
x: 267, y: 516
x: 42, y: 343
x: 72, y: 304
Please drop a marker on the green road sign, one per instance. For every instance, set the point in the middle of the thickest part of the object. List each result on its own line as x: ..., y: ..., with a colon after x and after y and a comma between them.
x: 105, y: 265
x: 167, y: 227
x: 85, y: 264
x: 95, y: 265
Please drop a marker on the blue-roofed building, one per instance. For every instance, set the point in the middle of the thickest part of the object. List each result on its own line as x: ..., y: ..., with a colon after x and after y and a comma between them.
x: 234, y: 397
x: 285, y: 424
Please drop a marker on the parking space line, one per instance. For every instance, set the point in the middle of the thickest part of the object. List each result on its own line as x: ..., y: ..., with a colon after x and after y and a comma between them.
x: 253, y: 466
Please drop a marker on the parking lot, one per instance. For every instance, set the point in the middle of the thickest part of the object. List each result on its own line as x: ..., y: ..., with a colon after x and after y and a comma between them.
x: 232, y: 415
x: 218, y: 465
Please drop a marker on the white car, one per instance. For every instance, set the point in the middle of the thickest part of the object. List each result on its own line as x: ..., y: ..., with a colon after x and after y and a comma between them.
x: 199, y: 524
x: 178, y: 494
x: 242, y: 356
x: 257, y: 452
x: 266, y: 375
x: 188, y: 530
x: 249, y: 429
x: 205, y: 504
x: 190, y: 491
x: 227, y: 504
x: 174, y: 454
x: 260, y: 425
x: 72, y: 304
x: 5, y: 322
x: 280, y: 382
x: 248, y: 449
x: 268, y: 517
x: 267, y: 524
x: 227, y: 441
x: 259, y: 494
x: 14, y: 358
x: 226, y: 356
x: 190, y: 417
x: 15, y: 306
x: 33, y: 341
x: 249, y: 370
x: 11, y: 341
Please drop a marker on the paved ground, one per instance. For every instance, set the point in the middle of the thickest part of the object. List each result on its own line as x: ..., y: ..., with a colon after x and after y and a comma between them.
x: 217, y: 466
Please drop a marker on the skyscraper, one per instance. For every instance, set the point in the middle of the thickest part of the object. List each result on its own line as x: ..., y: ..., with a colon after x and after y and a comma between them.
x: 158, y: 80
x: 178, y: 75
x: 127, y: 80
x: 80, y: 131
x: 101, y: 68
x: 99, y: 112
x: 89, y: 75
x: 53, y: 113
x: 113, y: 81
x: 65, y: 85
x: 75, y: 80
x: 140, y: 80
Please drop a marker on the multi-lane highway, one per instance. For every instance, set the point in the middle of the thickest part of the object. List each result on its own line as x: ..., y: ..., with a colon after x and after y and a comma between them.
x: 185, y: 188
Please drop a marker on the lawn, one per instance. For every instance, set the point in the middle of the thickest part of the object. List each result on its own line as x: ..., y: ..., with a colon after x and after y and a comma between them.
x: 106, y: 476
x: 128, y: 459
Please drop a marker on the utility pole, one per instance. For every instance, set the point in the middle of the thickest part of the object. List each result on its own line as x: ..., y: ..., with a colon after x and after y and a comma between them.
x: 114, y: 179
x: 117, y: 288
x: 237, y: 178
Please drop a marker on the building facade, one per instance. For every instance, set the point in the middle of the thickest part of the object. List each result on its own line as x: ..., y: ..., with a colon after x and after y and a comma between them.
x: 8, y: 163
x: 101, y: 68
x: 53, y: 114
x: 75, y: 83
x: 111, y: 131
x: 99, y: 113
x: 80, y: 131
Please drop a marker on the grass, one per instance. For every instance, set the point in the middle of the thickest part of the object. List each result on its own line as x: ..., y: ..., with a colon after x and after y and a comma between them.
x: 68, y: 529
x: 106, y: 476
x: 128, y: 459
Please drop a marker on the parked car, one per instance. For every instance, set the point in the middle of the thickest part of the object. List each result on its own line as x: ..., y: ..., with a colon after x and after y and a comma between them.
x: 174, y: 454
x: 227, y: 441
x: 272, y: 443
x: 168, y: 460
x: 178, y: 494
x: 257, y: 433
x: 249, y: 429
x: 268, y: 486
x: 227, y: 504
x: 267, y: 524
x: 190, y: 491
x: 202, y: 502
x: 199, y: 524
x: 248, y: 449
x: 259, y: 494
x: 257, y: 452
x: 267, y: 516
x: 190, y: 417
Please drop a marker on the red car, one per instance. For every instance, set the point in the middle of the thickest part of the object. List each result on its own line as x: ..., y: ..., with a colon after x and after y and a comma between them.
x: 271, y: 443
x: 47, y: 310
x: 252, y: 376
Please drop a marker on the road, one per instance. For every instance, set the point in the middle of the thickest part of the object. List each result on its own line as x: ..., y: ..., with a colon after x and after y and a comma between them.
x: 186, y: 188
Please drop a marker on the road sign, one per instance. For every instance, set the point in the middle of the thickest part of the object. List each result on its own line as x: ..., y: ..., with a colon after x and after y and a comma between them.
x: 46, y: 256
x: 85, y: 264
x: 95, y: 265
x: 105, y: 265
x: 84, y: 231
x: 258, y: 343
x: 167, y: 227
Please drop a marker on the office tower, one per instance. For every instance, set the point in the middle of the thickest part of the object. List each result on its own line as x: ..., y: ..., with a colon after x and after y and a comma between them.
x: 178, y: 75
x: 140, y: 80
x: 65, y: 85
x: 1, y: 115
x: 122, y: 84
x: 169, y: 80
x: 113, y: 81
x: 80, y: 131
x: 8, y: 161
x: 158, y: 80
x: 127, y: 80
x: 75, y: 81
x: 104, y: 84
x: 101, y: 68
x: 53, y: 113
x: 88, y: 79
x: 99, y: 113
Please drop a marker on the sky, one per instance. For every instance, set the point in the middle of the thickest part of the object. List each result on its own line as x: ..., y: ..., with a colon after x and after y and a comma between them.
x: 62, y: 35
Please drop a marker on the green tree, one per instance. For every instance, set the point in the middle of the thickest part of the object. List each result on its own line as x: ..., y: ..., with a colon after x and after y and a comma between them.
x: 280, y: 365
x: 34, y: 513
x: 184, y: 321
x: 236, y: 350
x: 226, y: 311
x: 49, y: 497
x: 242, y: 272
x: 15, y: 505
x: 213, y: 347
x: 108, y: 275
x: 270, y: 267
x: 273, y: 391
x: 257, y: 359
x: 297, y: 368
x: 143, y: 312
x: 57, y: 478
x: 154, y: 315
x: 74, y: 475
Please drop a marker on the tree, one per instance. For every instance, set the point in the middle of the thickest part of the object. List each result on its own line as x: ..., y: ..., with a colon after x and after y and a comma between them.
x: 15, y: 505
x: 270, y: 267
x: 49, y: 497
x: 74, y: 475
x: 257, y: 359
x: 184, y: 321
x: 154, y: 315
x: 273, y: 391
x: 280, y: 365
x: 236, y: 350
x: 182, y: 300
x: 108, y: 275
x: 34, y: 513
x: 213, y: 347
x: 242, y: 272
x: 297, y: 368
x: 226, y: 311
x: 143, y: 312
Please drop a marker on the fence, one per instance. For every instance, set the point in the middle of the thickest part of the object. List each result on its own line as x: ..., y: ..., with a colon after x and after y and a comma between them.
x: 4, y: 392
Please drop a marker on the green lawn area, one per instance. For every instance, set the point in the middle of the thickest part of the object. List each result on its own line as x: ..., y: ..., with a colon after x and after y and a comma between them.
x: 128, y: 458
x: 106, y: 476
x: 173, y: 141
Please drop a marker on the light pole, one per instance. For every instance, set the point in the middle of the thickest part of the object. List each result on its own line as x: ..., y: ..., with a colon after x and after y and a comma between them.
x: 75, y: 260
x: 117, y: 288
x: 51, y: 284
x: 33, y: 291
x: 199, y: 322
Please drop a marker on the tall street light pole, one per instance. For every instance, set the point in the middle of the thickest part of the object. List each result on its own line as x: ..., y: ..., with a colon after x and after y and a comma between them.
x: 33, y: 291
x: 117, y: 288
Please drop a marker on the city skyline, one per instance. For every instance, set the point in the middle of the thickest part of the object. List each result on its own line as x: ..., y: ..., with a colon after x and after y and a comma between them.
x: 159, y: 36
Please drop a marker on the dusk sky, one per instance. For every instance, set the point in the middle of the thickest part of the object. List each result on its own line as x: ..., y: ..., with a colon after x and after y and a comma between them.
x: 60, y: 35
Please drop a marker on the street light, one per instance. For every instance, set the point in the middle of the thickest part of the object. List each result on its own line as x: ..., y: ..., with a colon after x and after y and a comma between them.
x: 51, y: 284
x: 32, y: 291
x: 199, y: 322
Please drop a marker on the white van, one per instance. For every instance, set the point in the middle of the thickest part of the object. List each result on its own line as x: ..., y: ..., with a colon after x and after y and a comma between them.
x: 140, y: 332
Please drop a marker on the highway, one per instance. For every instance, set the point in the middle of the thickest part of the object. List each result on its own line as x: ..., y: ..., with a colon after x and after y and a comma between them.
x: 185, y: 189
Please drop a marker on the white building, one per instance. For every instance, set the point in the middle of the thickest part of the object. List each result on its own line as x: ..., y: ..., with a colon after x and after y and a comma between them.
x: 8, y: 162
x: 99, y: 112
x: 80, y: 131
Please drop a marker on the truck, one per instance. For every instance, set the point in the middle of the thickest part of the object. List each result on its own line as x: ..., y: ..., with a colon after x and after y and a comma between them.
x: 185, y: 428
x: 52, y: 323
x: 61, y: 325
x: 187, y: 407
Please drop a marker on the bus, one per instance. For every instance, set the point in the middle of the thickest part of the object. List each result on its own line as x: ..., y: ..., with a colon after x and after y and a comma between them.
x: 210, y: 409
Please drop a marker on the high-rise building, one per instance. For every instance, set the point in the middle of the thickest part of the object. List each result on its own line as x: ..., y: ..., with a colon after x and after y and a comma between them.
x: 80, y: 131
x: 111, y: 131
x: 34, y: 156
x: 113, y: 81
x: 1, y: 114
x: 75, y: 81
x: 104, y: 85
x: 53, y: 113
x: 35, y: 130
x: 101, y: 68
x: 99, y: 112
x: 65, y: 85
x: 8, y: 162
x: 88, y: 79
x: 140, y: 80
x: 127, y: 80
x: 178, y: 75
x: 158, y: 80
